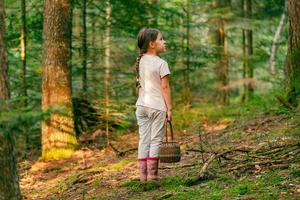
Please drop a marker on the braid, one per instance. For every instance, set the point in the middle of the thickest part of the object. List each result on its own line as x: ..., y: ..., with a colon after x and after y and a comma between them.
x: 138, y: 85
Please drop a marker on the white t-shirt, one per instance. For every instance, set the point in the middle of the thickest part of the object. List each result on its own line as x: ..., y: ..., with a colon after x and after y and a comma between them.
x: 152, y: 68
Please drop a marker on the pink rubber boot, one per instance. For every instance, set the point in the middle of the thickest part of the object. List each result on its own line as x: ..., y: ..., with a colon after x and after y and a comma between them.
x: 143, y: 169
x: 152, y: 168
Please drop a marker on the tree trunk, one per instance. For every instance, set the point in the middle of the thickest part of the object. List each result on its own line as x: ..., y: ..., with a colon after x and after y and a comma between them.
x: 222, y: 65
x: 84, y: 49
x: 58, y: 135
x: 23, y: 89
x: 9, y: 181
x: 187, y: 92
x: 4, y: 82
x: 276, y: 38
x: 248, y: 52
x: 222, y: 69
x: 97, y: 54
x: 293, y: 57
x: 76, y: 43
x: 107, y: 63
x: 70, y: 28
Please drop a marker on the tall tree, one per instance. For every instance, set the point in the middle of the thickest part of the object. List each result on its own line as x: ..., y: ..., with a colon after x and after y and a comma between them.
x: 4, y: 83
x: 107, y: 63
x: 222, y: 68
x: 94, y: 52
x: 58, y: 135
x: 276, y: 38
x: 23, y: 88
x: 84, y: 49
x: 76, y: 42
x: 247, y: 52
x: 71, y: 37
x: 292, y: 67
x: 187, y: 55
x: 9, y: 181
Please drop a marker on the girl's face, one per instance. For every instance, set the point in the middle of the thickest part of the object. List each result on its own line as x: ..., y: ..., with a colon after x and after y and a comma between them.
x: 159, y: 44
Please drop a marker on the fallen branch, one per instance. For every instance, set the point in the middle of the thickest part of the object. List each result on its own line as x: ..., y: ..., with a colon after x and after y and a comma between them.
x: 165, y: 196
x: 198, y: 151
x: 281, y: 149
x: 178, y: 166
x: 281, y: 159
x: 228, y: 151
x: 248, y: 165
x: 202, y: 175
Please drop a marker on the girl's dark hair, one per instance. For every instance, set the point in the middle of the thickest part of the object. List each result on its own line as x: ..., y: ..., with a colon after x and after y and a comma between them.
x: 145, y: 36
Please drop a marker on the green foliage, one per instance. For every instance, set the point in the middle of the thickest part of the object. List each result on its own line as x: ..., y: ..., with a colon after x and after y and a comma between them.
x: 86, y: 117
x: 18, y: 119
x: 138, y: 186
x: 295, y: 171
x: 173, y: 182
x: 171, y: 18
x: 120, y: 115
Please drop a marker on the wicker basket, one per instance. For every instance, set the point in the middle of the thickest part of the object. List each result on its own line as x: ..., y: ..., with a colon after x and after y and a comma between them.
x: 170, y: 150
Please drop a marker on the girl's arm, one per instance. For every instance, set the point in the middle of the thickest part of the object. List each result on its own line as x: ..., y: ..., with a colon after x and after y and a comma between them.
x: 166, y: 91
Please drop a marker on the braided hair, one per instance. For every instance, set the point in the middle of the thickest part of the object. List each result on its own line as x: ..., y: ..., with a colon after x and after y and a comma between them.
x: 145, y: 36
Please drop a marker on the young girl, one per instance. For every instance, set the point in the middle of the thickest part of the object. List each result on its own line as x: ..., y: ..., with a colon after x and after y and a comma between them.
x: 153, y: 106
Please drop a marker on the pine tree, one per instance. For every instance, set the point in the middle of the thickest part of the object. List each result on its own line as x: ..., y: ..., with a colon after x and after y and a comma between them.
x: 293, y: 57
x: 9, y: 181
x: 58, y: 135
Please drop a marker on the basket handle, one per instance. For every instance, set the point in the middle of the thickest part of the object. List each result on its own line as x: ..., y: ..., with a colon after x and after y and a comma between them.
x: 171, y: 129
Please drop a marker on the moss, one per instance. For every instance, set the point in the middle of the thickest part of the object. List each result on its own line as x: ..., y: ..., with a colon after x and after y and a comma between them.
x: 119, y: 165
x: 173, y: 182
x: 241, y: 188
x: 236, y: 135
x: 295, y: 171
x: 56, y: 154
x: 138, y: 186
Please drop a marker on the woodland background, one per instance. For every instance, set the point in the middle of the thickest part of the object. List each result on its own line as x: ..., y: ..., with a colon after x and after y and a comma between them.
x: 69, y: 93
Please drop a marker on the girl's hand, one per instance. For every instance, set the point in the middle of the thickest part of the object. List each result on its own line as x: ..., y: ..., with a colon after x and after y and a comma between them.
x: 169, y: 115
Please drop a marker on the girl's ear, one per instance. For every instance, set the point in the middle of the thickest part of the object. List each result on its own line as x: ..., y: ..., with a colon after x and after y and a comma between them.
x: 151, y: 44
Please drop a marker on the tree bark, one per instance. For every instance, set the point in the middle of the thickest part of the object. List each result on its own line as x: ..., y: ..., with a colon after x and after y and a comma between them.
x: 23, y: 89
x: 187, y: 91
x: 222, y: 69
x: 293, y: 57
x: 84, y: 49
x: 58, y: 135
x: 4, y: 81
x: 9, y: 181
x: 107, y: 64
x: 70, y: 28
x: 248, y: 53
x: 276, y: 38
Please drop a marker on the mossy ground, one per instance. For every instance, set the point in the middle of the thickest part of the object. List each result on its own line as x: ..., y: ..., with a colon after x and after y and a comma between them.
x: 95, y: 174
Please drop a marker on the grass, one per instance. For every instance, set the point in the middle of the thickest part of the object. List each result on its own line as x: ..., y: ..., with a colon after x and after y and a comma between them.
x: 119, y: 165
x: 267, y: 186
x: 294, y: 171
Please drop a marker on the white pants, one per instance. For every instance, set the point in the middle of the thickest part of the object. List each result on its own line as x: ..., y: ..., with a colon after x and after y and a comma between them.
x: 151, y: 124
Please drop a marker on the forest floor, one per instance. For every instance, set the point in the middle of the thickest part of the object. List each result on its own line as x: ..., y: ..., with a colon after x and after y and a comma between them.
x: 256, y: 157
